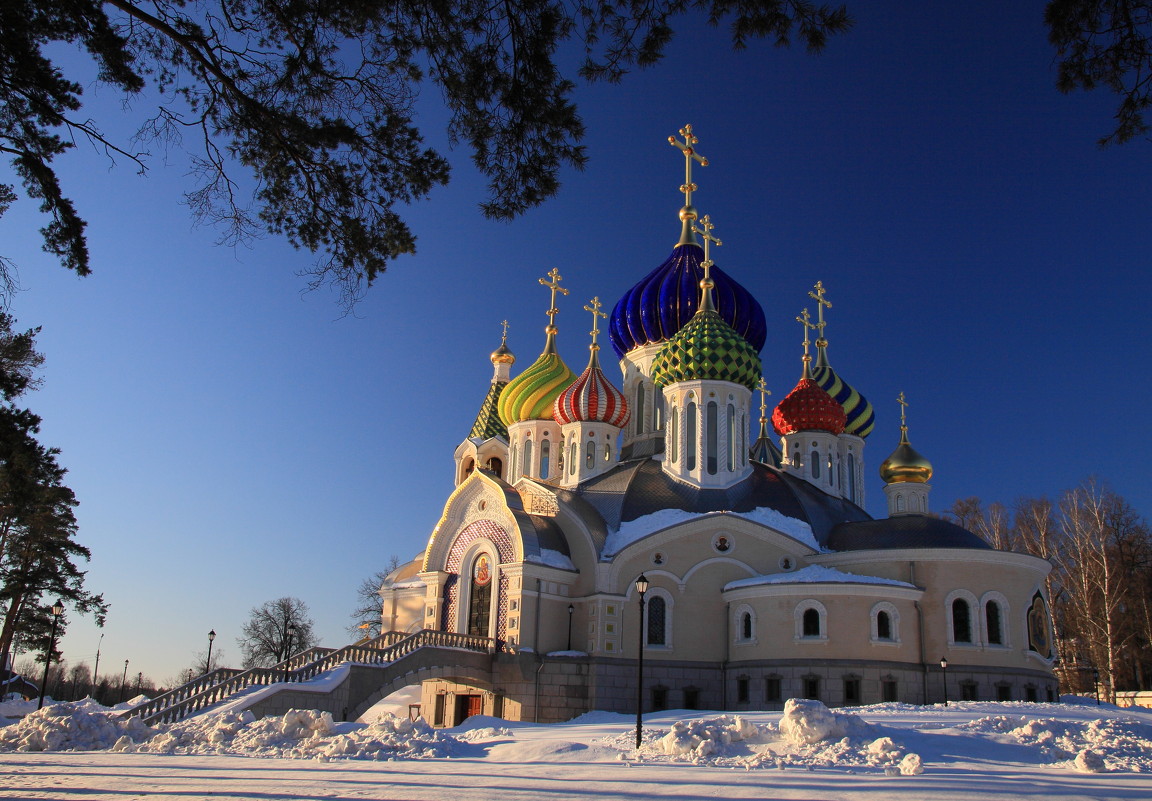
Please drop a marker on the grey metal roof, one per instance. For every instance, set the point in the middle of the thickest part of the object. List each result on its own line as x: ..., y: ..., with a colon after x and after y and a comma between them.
x: 641, y: 487
x: 903, y: 531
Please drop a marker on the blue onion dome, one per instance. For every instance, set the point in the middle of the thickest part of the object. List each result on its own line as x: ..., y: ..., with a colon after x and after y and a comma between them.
x: 861, y: 418
x: 665, y: 300
x: 706, y: 349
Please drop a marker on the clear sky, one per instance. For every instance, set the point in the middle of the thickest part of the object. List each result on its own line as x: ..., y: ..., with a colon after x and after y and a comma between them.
x: 232, y: 439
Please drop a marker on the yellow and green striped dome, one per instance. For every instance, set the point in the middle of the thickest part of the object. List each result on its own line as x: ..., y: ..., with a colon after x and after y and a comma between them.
x: 707, y: 349
x: 531, y: 395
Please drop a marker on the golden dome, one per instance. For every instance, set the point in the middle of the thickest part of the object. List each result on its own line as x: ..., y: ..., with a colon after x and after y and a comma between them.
x: 905, y: 465
x: 502, y: 355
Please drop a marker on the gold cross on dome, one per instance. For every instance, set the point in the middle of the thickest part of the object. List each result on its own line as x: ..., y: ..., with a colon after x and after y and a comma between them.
x: 764, y: 393
x: 596, y: 313
x: 705, y: 231
x: 554, y: 285
x: 903, y: 410
x: 504, y: 338
x: 686, y: 147
x: 805, y: 319
x: 821, y: 303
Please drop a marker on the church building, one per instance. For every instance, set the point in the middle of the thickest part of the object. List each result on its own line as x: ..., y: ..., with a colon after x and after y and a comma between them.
x: 586, y: 506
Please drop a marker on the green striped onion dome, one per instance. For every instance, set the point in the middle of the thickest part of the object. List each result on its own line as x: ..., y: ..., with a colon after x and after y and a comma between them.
x: 531, y: 395
x: 706, y: 349
x: 857, y: 409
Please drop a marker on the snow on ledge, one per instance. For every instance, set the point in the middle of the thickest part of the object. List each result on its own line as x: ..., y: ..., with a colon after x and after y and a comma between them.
x: 815, y: 574
x: 556, y: 559
x: 634, y: 530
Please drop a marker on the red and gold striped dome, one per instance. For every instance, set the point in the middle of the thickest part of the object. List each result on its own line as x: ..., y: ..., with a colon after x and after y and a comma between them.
x: 808, y: 408
x: 591, y: 398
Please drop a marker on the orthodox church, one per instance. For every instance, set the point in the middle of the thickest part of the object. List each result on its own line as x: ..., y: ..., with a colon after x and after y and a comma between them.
x: 631, y: 541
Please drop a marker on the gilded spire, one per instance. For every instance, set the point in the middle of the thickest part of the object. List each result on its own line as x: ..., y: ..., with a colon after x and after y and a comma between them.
x: 706, y: 284
x: 903, y: 417
x: 905, y: 465
x: 554, y: 285
x: 805, y: 319
x: 817, y: 294
x: 594, y: 307
x: 502, y: 355
x: 688, y: 213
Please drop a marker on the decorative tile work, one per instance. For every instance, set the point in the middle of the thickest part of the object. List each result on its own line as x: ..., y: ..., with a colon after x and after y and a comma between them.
x: 505, y: 553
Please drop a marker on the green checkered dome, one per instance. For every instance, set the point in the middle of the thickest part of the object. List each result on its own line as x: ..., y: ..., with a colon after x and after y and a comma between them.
x: 706, y: 349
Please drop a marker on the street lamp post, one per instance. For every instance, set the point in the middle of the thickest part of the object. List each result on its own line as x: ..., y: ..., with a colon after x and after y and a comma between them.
x: 208, y: 661
x: 57, y: 611
x: 944, y: 670
x: 96, y: 670
x: 124, y: 681
x: 641, y: 587
x: 1096, y: 684
x: 571, y: 609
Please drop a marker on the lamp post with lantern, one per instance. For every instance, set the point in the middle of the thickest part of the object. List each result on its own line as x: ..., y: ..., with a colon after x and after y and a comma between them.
x: 571, y: 610
x: 641, y: 588
x: 57, y: 612
x: 208, y: 661
x: 944, y: 670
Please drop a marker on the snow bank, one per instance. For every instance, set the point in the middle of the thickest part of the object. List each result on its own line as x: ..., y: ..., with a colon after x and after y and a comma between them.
x: 706, y: 737
x: 75, y: 726
x: 1093, y: 746
x: 806, y: 722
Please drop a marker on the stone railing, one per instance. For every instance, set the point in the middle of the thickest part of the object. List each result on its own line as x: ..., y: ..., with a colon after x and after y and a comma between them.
x: 220, y: 684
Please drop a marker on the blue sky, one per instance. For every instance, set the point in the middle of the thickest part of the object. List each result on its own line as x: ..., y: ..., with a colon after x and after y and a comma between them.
x: 232, y: 439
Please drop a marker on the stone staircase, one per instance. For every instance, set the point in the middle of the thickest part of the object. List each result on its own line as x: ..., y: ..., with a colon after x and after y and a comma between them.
x: 386, y: 653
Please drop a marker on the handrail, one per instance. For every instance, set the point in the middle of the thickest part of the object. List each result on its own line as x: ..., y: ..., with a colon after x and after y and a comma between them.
x: 383, y: 650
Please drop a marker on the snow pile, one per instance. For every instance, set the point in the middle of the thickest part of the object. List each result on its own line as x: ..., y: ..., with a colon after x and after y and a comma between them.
x: 806, y: 722
x: 705, y: 737
x: 75, y: 726
x: 1095, y: 746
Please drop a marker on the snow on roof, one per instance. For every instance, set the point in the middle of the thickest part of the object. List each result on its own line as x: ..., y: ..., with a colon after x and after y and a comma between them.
x: 554, y: 559
x: 814, y: 574
x: 634, y: 530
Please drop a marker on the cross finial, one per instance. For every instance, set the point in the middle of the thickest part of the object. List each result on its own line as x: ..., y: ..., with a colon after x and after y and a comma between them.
x: 805, y: 319
x: 686, y: 147
x: 764, y: 393
x: 554, y: 285
x: 706, y: 284
x: 903, y: 411
x: 504, y: 338
x: 594, y: 307
x: 822, y: 303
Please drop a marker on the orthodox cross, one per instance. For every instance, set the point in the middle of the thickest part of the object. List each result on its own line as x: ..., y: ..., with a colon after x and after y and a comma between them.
x: 764, y: 393
x: 554, y: 285
x: 903, y: 412
x: 690, y: 153
x: 805, y: 319
x: 821, y: 304
x: 595, y: 309
x: 706, y: 233
x: 504, y: 339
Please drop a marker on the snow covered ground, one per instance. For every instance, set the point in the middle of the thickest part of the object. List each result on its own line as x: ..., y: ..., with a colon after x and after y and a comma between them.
x: 1047, y: 752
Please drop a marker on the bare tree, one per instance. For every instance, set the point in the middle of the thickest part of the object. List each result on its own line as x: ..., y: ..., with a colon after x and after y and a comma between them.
x: 275, y: 630
x: 368, y: 604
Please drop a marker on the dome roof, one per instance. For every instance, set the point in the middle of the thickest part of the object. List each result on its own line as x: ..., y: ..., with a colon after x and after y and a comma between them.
x: 905, y: 531
x: 591, y: 398
x: 859, y: 415
x: 665, y: 300
x: 808, y: 408
x: 531, y: 394
x: 502, y: 355
x: 905, y: 465
x: 706, y: 349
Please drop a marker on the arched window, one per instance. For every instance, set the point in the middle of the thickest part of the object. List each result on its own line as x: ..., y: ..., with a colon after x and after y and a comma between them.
x: 730, y: 439
x: 469, y: 466
x: 811, y: 623
x: 657, y: 620
x: 815, y: 466
x: 590, y: 454
x: 993, y: 621
x: 811, y: 620
x: 640, y: 408
x: 658, y: 411
x: 526, y: 465
x: 572, y: 456
x: 883, y: 626
x: 899, y: 503
x: 496, y: 465
x: 852, y: 477
x: 607, y: 451
x: 746, y: 625
x: 545, y: 456
x: 710, y: 434
x: 961, y: 621
x: 743, y: 460
x: 480, y: 596
x: 674, y: 437
x: 690, y: 437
